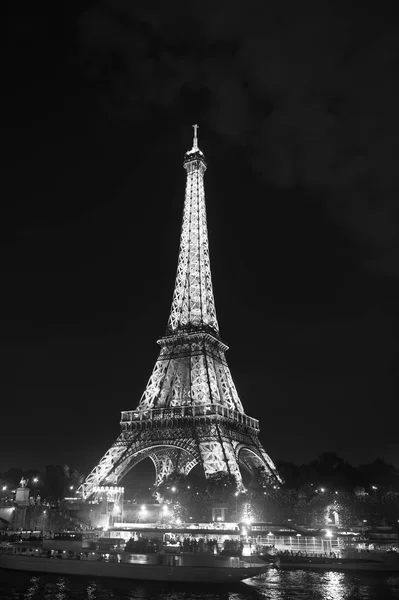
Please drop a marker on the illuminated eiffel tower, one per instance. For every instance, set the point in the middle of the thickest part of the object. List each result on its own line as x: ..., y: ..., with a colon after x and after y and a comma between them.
x: 190, y: 412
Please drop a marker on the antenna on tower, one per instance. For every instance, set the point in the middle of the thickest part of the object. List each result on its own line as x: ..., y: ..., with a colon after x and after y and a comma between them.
x: 195, y: 140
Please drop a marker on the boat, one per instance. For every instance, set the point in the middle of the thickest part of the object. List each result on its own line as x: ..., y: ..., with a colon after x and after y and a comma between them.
x: 155, y: 566
x: 360, y: 561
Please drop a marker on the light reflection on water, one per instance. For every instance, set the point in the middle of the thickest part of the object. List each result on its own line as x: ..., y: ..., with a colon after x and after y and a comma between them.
x: 330, y: 585
x: 273, y: 585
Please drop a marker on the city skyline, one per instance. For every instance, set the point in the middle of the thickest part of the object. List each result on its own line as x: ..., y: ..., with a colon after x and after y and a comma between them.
x: 303, y: 248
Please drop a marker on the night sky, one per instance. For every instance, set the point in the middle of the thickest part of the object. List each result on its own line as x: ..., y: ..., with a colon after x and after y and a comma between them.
x: 297, y: 104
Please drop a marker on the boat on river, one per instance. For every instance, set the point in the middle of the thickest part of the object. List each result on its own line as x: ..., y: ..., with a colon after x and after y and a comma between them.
x: 360, y: 561
x: 155, y: 566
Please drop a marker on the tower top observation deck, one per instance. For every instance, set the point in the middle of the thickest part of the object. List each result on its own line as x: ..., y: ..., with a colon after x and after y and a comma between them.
x: 195, y: 152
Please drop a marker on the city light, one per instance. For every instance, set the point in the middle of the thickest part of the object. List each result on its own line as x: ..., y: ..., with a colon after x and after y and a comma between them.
x: 247, y: 520
x: 328, y: 533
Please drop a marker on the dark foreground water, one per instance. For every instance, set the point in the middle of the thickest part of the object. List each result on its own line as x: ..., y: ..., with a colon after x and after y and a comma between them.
x: 275, y: 585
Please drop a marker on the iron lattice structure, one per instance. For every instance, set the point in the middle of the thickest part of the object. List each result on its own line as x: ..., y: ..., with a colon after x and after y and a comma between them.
x: 190, y: 412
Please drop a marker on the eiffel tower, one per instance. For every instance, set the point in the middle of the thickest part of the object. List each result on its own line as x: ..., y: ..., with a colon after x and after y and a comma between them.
x: 190, y: 413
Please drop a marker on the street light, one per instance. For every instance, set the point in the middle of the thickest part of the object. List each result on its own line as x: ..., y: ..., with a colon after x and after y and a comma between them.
x: 143, y: 511
x: 165, y: 511
x: 71, y: 487
x: 35, y: 480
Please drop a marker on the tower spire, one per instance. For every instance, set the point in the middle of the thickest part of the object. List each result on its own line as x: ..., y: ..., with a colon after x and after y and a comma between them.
x: 195, y: 140
x: 193, y: 304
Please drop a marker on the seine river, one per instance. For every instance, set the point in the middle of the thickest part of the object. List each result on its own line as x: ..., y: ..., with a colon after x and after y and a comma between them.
x: 275, y: 585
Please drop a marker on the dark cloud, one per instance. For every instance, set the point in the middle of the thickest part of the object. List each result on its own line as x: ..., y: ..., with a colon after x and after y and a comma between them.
x: 311, y: 91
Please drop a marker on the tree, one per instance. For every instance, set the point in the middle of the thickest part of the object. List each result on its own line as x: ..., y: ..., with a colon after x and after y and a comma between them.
x: 221, y: 486
x: 380, y: 474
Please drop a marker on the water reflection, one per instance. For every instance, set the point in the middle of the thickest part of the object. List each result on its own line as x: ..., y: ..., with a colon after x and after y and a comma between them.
x: 273, y: 585
x: 308, y: 585
x: 32, y: 589
x: 335, y: 586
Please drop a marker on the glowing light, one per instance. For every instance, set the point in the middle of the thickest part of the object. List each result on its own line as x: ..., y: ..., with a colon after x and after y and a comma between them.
x: 165, y: 509
x: 244, y: 531
x: 4, y: 488
x: 246, y: 551
x: 322, y: 490
x: 178, y: 521
x: 105, y: 528
x: 328, y: 533
x: 35, y: 480
x: 173, y: 489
